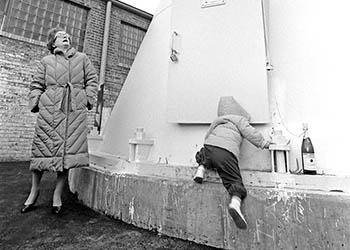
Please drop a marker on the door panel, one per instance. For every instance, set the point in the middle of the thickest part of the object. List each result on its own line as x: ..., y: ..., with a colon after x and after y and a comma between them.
x: 220, y: 51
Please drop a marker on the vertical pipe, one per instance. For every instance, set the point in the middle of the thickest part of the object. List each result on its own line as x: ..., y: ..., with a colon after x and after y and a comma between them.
x: 6, y: 12
x: 267, y: 52
x: 105, y: 43
x: 99, y: 106
x: 3, y: 22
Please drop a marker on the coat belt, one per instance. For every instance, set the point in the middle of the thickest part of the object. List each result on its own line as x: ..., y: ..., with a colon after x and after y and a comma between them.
x: 67, y: 97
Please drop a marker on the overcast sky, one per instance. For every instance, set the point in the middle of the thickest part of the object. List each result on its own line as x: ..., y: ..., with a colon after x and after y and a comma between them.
x: 149, y: 6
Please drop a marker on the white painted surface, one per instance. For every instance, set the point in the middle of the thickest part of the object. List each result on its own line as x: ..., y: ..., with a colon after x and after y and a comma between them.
x: 221, y: 52
x: 143, y: 100
x: 310, y: 50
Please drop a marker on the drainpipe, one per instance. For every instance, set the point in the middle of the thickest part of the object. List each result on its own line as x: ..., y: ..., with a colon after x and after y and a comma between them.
x: 6, y: 8
x: 99, y: 105
x: 269, y: 66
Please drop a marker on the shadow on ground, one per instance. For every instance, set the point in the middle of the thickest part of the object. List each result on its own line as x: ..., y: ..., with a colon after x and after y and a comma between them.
x: 77, y: 228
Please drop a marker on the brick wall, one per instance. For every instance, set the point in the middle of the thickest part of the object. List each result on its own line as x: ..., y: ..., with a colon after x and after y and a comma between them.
x: 18, y: 60
x: 17, y: 123
x: 116, y: 74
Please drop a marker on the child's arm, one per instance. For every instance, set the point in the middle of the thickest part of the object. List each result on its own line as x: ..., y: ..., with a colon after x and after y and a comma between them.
x: 251, y: 134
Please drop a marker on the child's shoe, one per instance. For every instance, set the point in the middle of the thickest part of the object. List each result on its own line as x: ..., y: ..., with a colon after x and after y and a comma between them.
x: 234, y: 208
x: 199, y: 174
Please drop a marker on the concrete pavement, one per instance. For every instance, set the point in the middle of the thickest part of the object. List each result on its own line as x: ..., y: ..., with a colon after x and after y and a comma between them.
x: 77, y: 228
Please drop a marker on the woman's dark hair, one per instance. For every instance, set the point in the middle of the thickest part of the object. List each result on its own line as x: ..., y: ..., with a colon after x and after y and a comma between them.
x: 51, y: 38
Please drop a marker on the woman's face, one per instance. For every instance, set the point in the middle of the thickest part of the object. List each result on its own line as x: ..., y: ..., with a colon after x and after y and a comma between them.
x: 62, y: 40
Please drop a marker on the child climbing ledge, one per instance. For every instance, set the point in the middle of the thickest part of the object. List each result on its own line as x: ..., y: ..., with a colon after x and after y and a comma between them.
x: 221, y: 150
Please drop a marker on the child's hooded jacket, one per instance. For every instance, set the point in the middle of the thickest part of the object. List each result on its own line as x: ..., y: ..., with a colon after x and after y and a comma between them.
x: 232, y: 125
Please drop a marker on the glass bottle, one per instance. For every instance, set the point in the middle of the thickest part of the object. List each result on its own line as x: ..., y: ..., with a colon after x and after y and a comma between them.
x: 307, y: 153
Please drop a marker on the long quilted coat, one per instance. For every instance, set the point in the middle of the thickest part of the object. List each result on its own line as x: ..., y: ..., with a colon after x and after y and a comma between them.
x: 63, y: 89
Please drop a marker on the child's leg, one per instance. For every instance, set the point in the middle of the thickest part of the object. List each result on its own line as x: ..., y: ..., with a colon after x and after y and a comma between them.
x: 227, y: 167
x: 234, y: 208
x: 199, y: 176
x: 231, y: 177
x: 201, y: 160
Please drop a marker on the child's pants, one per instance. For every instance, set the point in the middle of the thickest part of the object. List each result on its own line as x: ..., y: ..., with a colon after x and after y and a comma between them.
x: 226, y: 164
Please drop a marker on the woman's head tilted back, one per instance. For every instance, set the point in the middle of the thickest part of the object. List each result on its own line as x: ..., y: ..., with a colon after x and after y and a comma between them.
x: 53, y: 35
x: 229, y: 106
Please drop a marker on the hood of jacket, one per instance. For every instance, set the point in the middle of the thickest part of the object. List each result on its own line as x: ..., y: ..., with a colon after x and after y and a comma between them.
x: 229, y: 106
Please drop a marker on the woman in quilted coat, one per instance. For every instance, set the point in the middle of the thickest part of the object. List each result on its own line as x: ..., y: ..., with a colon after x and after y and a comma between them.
x: 62, y: 91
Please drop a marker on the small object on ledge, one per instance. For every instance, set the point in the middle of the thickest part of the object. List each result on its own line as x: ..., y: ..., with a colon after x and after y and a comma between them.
x: 139, y: 147
x: 275, y: 151
x: 139, y: 134
x: 279, y: 149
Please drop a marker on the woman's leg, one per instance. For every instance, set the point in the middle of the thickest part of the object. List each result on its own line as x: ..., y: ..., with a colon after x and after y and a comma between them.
x: 61, y: 179
x: 36, y: 178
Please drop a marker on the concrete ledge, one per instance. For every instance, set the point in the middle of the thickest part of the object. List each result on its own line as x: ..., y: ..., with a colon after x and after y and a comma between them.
x: 165, y: 199
x: 113, y: 164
